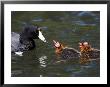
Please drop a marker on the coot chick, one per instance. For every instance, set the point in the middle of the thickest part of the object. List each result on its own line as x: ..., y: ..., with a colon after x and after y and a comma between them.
x: 25, y: 40
x: 64, y: 52
x: 88, y: 53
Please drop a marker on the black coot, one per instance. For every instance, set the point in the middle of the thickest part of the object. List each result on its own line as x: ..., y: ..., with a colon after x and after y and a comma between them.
x: 25, y: 40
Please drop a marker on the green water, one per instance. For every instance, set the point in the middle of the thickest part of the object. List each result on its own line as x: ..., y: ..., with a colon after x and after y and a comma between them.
x: 69, y: 28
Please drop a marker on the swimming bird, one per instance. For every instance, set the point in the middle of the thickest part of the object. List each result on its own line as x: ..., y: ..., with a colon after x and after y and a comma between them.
x: 88, y: 53
x: 64, y: 52
x: 84, y: 55
x: 24, y: 41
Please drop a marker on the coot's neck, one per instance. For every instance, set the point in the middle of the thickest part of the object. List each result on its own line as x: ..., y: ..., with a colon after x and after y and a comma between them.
x: 28, y: 42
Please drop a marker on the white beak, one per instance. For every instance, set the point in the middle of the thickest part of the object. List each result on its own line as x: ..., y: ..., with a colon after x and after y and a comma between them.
x: 42, y: 37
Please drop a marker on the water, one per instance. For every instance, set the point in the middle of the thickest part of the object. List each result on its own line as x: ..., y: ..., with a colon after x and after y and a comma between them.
x: 70, y: 28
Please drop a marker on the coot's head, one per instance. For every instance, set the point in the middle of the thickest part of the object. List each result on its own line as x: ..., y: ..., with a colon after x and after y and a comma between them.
x: 33, y: 32
x: 58, y: 47
x: 56, y: 44
x: 84, y: 46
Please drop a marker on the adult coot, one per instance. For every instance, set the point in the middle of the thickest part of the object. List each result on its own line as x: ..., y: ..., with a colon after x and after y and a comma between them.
x: 25, y: 40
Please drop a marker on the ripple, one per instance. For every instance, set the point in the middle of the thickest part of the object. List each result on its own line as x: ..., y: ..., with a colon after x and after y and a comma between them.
x: 37, y: 20
x: 42, y: 61
x: 16, y: 72
x: 82, y: 23
x: 86, y: 13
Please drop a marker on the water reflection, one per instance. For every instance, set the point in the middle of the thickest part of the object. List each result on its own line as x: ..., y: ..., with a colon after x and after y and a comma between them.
x: 42, y: 61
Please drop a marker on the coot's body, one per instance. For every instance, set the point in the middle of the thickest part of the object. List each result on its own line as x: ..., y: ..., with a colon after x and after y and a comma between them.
x: 25, y: 40
x: 69, y: 53
x: 88, y: 53
x: 66, y: 53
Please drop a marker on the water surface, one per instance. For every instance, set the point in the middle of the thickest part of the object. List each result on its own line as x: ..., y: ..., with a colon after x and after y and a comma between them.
x: 70, y: 28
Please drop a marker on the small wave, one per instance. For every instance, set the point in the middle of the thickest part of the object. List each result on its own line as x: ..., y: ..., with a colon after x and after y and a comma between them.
x: 16, y: 72
x: 42, y: 61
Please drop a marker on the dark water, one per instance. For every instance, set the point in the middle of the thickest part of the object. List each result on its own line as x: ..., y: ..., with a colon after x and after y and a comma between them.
x: 69, y: 28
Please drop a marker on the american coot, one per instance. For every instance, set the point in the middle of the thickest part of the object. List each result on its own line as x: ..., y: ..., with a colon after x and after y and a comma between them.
x: 25, y: 40
x: 88, y: 53
x: 64, y: 52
